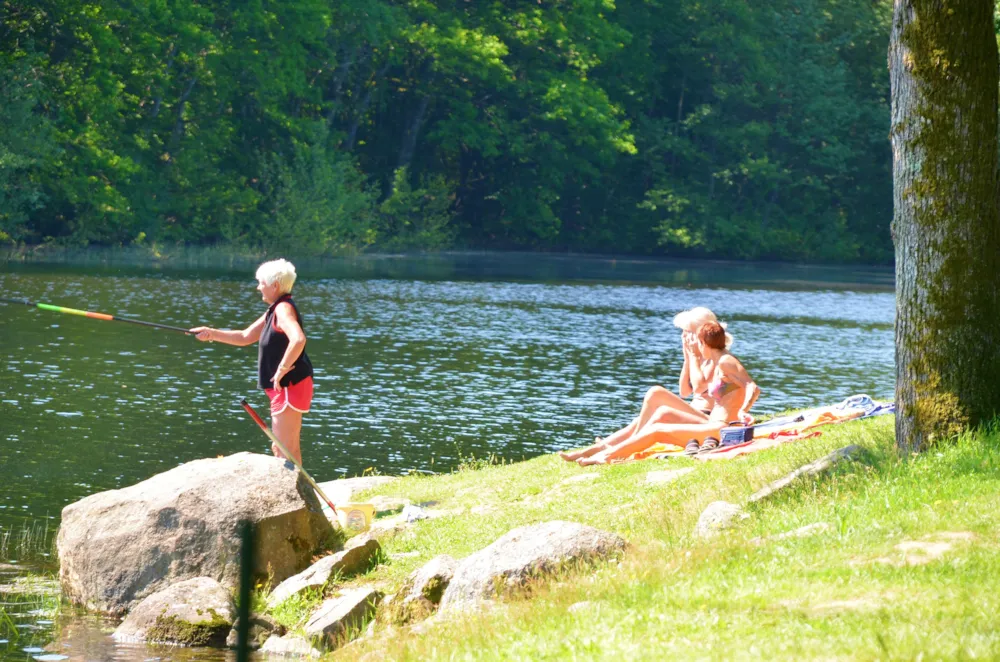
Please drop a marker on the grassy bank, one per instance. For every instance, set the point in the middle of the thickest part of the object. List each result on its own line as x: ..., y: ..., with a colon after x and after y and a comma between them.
x: 904, y: 562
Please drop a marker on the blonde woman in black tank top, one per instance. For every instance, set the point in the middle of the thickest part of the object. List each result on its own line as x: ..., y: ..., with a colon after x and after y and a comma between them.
x: 283, y: 368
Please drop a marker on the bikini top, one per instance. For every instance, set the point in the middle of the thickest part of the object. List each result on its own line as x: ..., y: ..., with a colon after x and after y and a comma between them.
x: 718, y: 388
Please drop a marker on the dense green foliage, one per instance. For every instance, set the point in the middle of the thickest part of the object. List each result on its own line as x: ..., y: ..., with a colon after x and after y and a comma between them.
x: 697, y: 127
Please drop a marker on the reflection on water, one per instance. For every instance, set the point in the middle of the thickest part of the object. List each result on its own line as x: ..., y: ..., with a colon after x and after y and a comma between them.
x: 417, y: 362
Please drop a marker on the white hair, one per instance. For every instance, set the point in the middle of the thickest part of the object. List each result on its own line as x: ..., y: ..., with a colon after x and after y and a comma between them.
x: 692, y: 320
x: 279, y: 271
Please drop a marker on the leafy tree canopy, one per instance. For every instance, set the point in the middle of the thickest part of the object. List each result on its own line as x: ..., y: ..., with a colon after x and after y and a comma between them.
x: 696, y: 127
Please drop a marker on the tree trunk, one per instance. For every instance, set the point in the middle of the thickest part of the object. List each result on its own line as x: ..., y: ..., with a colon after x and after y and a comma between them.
x: 409, y: 145
x: 166, y: 75
x: 175, y: 137
x: 946, y: 222
x: 416, y: 120
x: 352, y: 133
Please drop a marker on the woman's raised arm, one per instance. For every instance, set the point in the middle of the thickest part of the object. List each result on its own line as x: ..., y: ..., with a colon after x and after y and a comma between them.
x: 247, y: 336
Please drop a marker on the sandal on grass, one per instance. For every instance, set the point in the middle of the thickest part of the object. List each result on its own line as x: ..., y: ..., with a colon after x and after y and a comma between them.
x: 691, y: 447
x: 711, y: 443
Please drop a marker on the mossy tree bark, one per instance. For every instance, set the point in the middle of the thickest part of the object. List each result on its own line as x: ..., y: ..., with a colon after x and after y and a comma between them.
x: 946, y: 224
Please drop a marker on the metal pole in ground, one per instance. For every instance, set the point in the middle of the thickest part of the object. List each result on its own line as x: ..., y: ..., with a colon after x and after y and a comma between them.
x: 246, y: 587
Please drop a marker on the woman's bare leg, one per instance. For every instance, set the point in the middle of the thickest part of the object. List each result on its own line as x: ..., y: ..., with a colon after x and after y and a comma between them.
x: 573, y: 456
x: 658, y: 406
x: 671, y: 414
x: 287, y: 427
x: 675, y: 410
x: 657, y: 403
x: 657, y: 433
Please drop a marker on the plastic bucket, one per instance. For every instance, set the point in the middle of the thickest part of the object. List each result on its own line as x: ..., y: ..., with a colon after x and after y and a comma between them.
x: 355, y: 517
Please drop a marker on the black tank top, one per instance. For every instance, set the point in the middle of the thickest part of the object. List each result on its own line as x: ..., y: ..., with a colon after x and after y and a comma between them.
x: 271, y: 349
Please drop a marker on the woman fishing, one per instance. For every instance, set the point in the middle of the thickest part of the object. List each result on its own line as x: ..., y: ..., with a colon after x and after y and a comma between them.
x: 283, y: 369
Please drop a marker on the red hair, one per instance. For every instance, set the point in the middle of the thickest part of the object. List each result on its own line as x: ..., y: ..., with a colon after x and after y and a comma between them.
x: 713, y: 335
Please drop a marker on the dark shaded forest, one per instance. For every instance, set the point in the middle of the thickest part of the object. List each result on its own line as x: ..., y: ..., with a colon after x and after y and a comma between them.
x: 703, y: 128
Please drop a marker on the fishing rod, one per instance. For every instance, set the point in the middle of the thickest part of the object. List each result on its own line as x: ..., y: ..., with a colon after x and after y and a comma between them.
x: 270, y: 435
x: 93, y: 315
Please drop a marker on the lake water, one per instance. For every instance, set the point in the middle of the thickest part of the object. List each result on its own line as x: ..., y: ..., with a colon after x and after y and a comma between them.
x: 419, y: 363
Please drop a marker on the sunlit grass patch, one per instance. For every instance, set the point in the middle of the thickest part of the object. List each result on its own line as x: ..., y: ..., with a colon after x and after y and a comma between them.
x: 293, y: 612
x: 885, y: 556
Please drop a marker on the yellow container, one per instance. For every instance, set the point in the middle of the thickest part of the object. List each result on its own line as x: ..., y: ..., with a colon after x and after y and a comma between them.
x: 355, y: 517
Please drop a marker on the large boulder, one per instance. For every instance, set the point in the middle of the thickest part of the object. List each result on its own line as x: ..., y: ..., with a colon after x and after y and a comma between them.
x: 526, y: 554
x: 194, y: 612
x: 117, y: 547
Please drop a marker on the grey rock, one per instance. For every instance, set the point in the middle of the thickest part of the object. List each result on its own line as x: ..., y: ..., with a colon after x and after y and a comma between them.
x: 814, y: 468
x: 384, y: 504
x: 262, y: 627
x: 717, y: 516
x: 194, y: 612
x: 357, y: 555
x: 117, y: 547
x: 525, y: 554
x: 422, y: 591
x: 290, y: 645
x: 414, y: 514
x: 343, y: 618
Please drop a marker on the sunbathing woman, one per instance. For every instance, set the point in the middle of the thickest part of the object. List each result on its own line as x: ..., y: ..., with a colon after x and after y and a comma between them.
x: 732, y: 391
x: 660, y: 405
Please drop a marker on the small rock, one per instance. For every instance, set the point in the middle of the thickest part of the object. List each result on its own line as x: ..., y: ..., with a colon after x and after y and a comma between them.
x: 526, y: 554
x: 341, y: 491
x: 289, y: 645
x: 580, y: 606
x: 357, y: 555
x: 194, y: 612
x: 422, y: 591
x: 717, y: 516
x: 262, y: 627
x: 414, y: 513
x: 814, y: 468
x: 388, y: 526
x: 670, y: 475
x: 384, y: 504
x: 337, y: 619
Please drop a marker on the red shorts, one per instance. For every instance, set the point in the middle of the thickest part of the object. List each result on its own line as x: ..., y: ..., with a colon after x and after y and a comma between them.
x: 297, y: 396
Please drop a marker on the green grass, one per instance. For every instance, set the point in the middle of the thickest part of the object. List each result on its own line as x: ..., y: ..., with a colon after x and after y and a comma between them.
x: 296, y: 610
x: 847, y: 592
